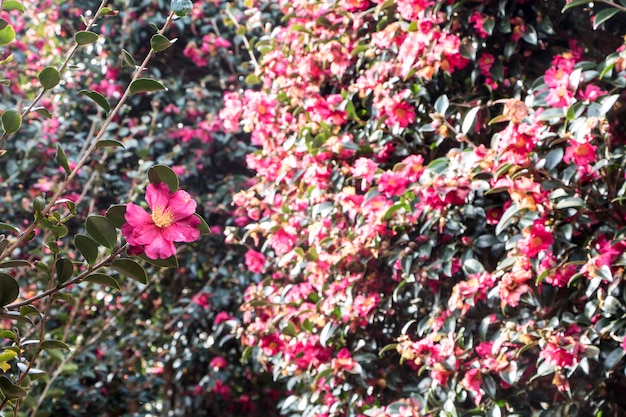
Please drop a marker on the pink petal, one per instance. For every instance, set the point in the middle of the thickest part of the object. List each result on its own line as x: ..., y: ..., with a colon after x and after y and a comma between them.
x: 160, y: 248
x: 157, y: 195
x: 181, y: 205
x: 185, y: 230
x: 136, y: 216
x: 145, y: 234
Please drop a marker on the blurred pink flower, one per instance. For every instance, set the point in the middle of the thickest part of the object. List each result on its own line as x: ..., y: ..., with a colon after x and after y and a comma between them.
x: 172, y: 220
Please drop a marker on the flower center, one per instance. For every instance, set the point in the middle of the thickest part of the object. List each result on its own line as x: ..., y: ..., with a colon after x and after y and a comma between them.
x: 162, y: 217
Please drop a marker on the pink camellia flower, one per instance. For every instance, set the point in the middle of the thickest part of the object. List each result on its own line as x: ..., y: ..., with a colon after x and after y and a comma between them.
x: 172, y: 220
x: 255, y: 261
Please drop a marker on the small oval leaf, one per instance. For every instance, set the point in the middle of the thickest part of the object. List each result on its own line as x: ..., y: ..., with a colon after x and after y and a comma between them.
x: 102, y: 230
x: 9, y: 5
x: 64, y: 269
x: 11, y: 121
x: 108, y: 143
x: 160, y: 43
x: 116, y: 213
x: 103, y: 279
x: 62, y: 159
x: 10, y: 390
x: 131, y: 269
x: 97, y: 98
x: 85, y: 37
x: 53, y: 344
x: 49, y: 77
x: 7, y: 35
x: 170, y: 262
x: 9, y: 289
x: 87, y: 247
x: 127, y: 59
x: 161, y: 173
x: 145, y: 85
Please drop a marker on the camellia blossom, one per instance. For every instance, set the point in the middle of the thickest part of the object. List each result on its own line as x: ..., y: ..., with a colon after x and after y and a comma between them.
x: 171, y: 220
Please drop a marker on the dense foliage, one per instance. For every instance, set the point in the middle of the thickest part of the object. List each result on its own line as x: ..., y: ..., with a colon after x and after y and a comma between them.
x: 437, y: 212
x: 163, y: 343
x: 416, y: 208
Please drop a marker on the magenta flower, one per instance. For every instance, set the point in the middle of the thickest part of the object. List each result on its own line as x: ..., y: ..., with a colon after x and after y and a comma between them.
x: 172, y: 220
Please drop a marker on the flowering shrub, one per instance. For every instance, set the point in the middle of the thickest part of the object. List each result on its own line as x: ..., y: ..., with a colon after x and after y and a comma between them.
x: 437, y: 212
x: 80, y: 151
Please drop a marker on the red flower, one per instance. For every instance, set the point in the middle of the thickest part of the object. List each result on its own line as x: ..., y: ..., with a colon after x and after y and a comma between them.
x: 172, y: 220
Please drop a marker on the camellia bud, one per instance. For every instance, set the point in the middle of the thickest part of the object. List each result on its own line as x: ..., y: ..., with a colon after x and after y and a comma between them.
x: 182, y: 8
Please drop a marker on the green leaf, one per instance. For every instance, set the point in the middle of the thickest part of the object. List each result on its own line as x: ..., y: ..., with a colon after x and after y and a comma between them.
x: 252, y: 79
x: 9, y: 289
x: 109, y: 143
x: 160, y: 43
x: 15, y: 263
x: 181, y: 8
x: 30, y: 310
x: 170, y: 262
x: 569, y: 203
x: 127, y: 59
x: 575, y: 3
x: 11, y: 121
x: 42, y: 111
x: 204, y: 227
x: 49, y: 77
x: 103, y: 279
x: 442, y: 104
x: 9, y: 5
x: 7, y: 355
x: 116, y: 213
x: 161, y: 173
x: 85, y: 37
x: 508, y: 217
x: 3, y: 24
x: 62, y: 159
x: 391, y: 346
x: 64, y: 269
x: 54, y: 344
x: 98, y: 98
x: 87, y: 247
x: 10, y: 390
x: 145, y: 85
x: 131, y: 269
x: 8, y: 334
x: 102, y: 230
x: 603, y: 16
x: 470, y: 120
x: 10, y: 228
x: 7, y: 35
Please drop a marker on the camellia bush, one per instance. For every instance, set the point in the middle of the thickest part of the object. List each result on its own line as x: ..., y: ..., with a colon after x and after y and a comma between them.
x: 437, y: 216
x: 115, y: 299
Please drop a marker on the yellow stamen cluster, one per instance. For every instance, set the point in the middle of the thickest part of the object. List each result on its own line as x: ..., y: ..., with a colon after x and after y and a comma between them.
x: 162, y: 217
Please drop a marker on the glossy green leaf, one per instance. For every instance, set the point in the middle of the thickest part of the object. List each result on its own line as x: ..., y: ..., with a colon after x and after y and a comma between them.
x: 87, y: 247
x: 9, y: 289
x: 181, y: 8
x: 204, y: 227
x: 64, y: 270
x: 131, y: 269
x: 49, y: 77
x: 11, y: 121
x: 97, y: 98
x: 10, y: 228
x: 9, y: 5
x: 30, y: 310
x: 575, y: 3
x: 109, y: 143
x: 127, y: 59
x: 3, y: 24
x: 7, y: 35
x: 8, y: 334
x: 54, y: 344
x: 116, y: 213
x: 10, y: 390
x: 145, y: 85
x: 170, y: 262
x: 61, y: 159
x: 85, y: 37
x: 603, y: 16
x: 165, y: 174
x: 160, y: 43
x: 42, y: 111
x: 103, y: 279
x: 15, y: 263
x: 102, y: 230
